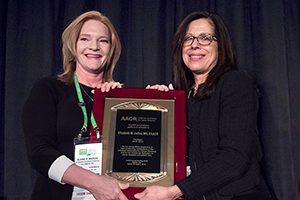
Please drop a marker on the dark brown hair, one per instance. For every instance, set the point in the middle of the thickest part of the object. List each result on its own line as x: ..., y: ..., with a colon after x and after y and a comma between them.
x: 182, y: 75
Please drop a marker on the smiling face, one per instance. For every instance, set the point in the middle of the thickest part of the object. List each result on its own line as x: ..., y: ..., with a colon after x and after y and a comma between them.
x: 92, y: 47
x: 200, y: 59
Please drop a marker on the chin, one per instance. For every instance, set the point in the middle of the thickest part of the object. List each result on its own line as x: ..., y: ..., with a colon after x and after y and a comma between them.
x: 197, y: 70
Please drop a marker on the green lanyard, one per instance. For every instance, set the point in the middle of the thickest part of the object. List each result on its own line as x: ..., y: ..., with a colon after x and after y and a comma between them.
x: 84, y: 112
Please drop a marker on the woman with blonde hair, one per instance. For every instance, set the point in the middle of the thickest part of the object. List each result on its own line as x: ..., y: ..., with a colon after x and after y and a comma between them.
x: 52, y: 116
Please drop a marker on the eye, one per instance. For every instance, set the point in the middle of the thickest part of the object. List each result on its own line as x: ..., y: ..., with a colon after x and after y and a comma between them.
x: 104, y: 40
x: 205, y: 37
x: 83, y: 39
x: 188, y: 38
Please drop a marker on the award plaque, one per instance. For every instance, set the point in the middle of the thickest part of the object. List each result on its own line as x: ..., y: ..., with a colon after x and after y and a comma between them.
x: 143, y: 136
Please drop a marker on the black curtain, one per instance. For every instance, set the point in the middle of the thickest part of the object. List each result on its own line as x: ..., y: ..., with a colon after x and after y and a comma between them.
x: 266, y: 36
x: 2, y: 75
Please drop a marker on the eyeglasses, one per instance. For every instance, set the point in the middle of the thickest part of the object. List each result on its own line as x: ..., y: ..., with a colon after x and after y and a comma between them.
x: 204, y: 39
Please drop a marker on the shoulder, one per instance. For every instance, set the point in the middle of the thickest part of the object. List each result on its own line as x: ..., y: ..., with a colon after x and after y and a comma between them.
x: 236, y: 82
x: 47, y: 87
x: 49, y: 84
x: 237, y: 75
x: 237, y: 79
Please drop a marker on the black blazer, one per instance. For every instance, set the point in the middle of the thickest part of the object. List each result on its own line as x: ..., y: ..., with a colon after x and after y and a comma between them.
x: 51, y: 120
x: 224, y: 151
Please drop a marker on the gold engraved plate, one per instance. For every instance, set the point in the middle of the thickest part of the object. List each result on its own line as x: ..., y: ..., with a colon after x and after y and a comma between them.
x: 138, y: 141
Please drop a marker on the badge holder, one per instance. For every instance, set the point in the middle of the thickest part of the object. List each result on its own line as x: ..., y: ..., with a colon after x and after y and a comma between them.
x: 87, y: 150
x: 88, y: 155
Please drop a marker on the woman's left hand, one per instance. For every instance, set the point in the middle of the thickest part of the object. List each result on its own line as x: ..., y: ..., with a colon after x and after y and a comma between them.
x: 162, y: 88
x: 159, y: 193
x: 105, y: 87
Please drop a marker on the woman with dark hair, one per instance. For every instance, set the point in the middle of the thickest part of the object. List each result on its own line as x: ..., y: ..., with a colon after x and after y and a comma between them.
x: 59, y: 110
x: 224, y: 148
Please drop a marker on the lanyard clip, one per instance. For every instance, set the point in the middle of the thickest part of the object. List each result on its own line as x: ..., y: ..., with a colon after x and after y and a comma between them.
x: 81, y: 104
x: 97, y: 132
x: 81, y: 132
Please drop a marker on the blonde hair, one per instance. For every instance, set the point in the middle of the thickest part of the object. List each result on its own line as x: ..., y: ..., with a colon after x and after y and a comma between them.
x: 69, y: 40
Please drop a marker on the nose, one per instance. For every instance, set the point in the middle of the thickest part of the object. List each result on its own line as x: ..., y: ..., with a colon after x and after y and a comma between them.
x: 94, y: 45
x: 195, y: 43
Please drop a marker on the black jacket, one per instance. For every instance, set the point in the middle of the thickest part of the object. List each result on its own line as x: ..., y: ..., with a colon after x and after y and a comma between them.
x: 224, y: 151
x: 51, y: 120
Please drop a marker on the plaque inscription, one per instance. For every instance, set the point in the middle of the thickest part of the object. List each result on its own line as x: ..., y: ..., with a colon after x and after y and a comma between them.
x: 137, y: 141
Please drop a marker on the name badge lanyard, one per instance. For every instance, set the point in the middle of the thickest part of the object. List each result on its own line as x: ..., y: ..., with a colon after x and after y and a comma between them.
x: 84, y: 111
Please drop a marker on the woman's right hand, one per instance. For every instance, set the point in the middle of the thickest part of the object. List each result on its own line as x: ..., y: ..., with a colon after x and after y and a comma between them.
x: 162, y: 87
x: 102, y: 187
x: 108, y: 188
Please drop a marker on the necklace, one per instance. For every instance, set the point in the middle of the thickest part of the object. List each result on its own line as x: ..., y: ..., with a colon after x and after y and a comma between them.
x: 86, y: 93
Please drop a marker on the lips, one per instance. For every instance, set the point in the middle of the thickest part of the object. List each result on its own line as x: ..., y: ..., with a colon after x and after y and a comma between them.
x: 196, y: 56
x: 93, y: 55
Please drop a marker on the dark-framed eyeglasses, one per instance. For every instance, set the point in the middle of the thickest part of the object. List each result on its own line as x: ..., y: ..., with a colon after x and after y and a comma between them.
x: 204, y: 39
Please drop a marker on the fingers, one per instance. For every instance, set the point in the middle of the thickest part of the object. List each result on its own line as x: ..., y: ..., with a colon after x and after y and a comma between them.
x: 122, y: 196
x: 107, y: 86
x: 108, y: 188
x: 124, y: 186
x: 170, y: 86
x: 162, y: 88
x: 139, y: 195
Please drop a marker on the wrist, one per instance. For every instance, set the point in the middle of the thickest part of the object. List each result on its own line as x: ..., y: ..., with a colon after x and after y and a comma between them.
x: 80, y: 177
x: 176, y: 191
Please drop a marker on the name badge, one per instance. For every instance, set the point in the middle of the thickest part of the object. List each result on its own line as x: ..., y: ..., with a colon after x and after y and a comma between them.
x: 88, y: 155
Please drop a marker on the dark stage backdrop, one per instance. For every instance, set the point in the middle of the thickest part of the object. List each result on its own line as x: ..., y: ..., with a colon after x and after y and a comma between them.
x: 266, y: 35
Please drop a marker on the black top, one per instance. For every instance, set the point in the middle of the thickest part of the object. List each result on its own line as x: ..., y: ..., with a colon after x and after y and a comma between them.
x: 51, y: 120
x: 224, y: 145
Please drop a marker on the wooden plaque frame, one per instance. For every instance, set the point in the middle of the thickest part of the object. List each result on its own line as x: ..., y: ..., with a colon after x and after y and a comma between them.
x: 175, y: 102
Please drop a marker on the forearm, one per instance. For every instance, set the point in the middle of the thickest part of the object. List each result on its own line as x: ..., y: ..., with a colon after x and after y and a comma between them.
x: 77, y: 176
x: 59, y: 167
